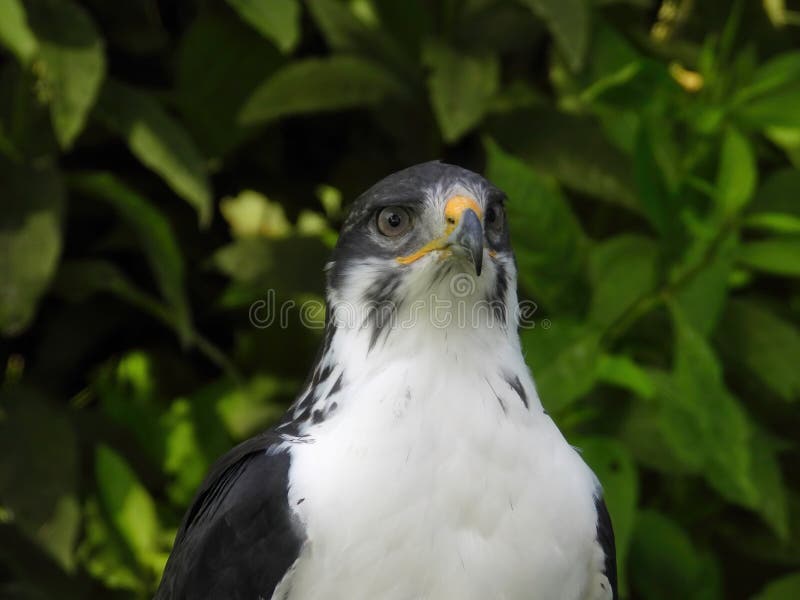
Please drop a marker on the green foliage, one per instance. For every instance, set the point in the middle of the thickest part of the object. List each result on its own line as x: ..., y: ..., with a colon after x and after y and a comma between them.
x: 165, y: 166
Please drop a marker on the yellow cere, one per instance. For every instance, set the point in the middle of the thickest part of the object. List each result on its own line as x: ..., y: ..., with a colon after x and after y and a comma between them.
x: 453, y: 209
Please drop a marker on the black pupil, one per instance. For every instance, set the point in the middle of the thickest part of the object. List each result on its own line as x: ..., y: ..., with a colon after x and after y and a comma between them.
x: 491, y: 215
x: 394, y: 220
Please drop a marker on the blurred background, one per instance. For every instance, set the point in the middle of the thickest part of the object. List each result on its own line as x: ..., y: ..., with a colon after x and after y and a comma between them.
x: 165, y: 164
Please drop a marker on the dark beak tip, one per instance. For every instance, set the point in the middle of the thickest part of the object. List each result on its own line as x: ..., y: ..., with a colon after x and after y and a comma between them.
x: 470, y: 237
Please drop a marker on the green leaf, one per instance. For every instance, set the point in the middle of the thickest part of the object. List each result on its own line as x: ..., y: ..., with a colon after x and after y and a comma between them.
x: 753, y: 337
x: 159, y: 142
x: 568, y: 21
x: 461, y: 88
x: 155, y: 236
x: 768, y: 478
x: 220, y: 62
x: 623, y: 371
x: 276, y: 20
x: 779, y: 223
x: 737, y: 175
x: 615, y: 469
x: 778, y: 193
x: 549, y: 243
x: 319, y: 85
x: 573, y: 149
x: 784, y: 588
x: 702, y: 421
x: 15, y: 33
x: 778, y: 256
x: 779, y: 71
x: 30, y: 239
x: 70, y: 64
x: 39, y: 486
x: 346, y: 33
x: 563, y: 358
x: 664, y: 563
x: 621, y: 270
x: 776, y: 109
x: 128, y: 503
x: 653, y: 173
x: 702, y: 297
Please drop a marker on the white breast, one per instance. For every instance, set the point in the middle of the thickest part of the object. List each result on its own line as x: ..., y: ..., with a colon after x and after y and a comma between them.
x: 432, y: 480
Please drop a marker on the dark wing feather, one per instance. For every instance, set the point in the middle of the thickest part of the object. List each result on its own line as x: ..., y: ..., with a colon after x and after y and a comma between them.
x: 238, y: 538
x: 605, y: 537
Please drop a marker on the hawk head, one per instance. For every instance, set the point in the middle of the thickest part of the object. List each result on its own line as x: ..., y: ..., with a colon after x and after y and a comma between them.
x: 430, y: 238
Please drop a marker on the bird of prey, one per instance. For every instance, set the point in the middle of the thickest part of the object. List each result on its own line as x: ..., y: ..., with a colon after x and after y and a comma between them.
x: 417, y: 462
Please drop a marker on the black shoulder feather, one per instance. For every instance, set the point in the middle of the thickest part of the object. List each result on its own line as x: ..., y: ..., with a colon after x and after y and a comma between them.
x: 238, y: 538
x: 605, y: 537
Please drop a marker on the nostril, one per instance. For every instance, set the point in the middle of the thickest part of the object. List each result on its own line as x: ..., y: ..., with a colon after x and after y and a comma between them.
x: 451, y: 220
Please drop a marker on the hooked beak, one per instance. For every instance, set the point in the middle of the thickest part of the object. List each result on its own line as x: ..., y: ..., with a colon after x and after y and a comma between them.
x: 468, y: 239
x: 463, y: 234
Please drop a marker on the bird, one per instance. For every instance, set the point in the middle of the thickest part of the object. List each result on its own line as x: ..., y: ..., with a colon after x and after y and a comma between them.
x: 417, y: 462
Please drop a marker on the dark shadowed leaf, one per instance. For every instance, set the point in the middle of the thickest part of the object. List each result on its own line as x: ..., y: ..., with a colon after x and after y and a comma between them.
x: 319, y: 85
x: 784, y: 588
x: 572, y: 149
x: 347, y: 33
x: 563, y: 358
x: 623, y: 371
x: 568, y: 21
x: 621, y: 270
x: 549, y: 243
x: 14, y: 31
x: 38, y: 478
x: 30, y: 239
x: 220, y: 61
x: 704, y: 424
x: 461, y: 88
x: 159, y: 142
x: 70, y: 63
x: 155, y: 236
x: 753, y: 337
x: 702, y: 297
x: 768, y: 478
x: 665, y: 564
x: 277, y: 20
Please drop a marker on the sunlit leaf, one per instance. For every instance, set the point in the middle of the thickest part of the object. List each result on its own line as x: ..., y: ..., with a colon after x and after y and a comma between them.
x: 15, y: 34
x: 30, y: 239
x: 130, y: 506
x: 568, y: 21
x: 319, y: 85
x: 461, y: 88
x: 624, y: 372
x: 736, y: 177
x: 159, y: 142
x: 777, y: 255
x: 277, y: 20
x: 70, y: 63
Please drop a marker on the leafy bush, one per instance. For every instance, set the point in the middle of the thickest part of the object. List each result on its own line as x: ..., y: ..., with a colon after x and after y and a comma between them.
x: 163, y: 165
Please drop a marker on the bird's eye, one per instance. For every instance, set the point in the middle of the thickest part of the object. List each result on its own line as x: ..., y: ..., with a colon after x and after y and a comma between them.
x: 394, y: 221
x: 494, y: 217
